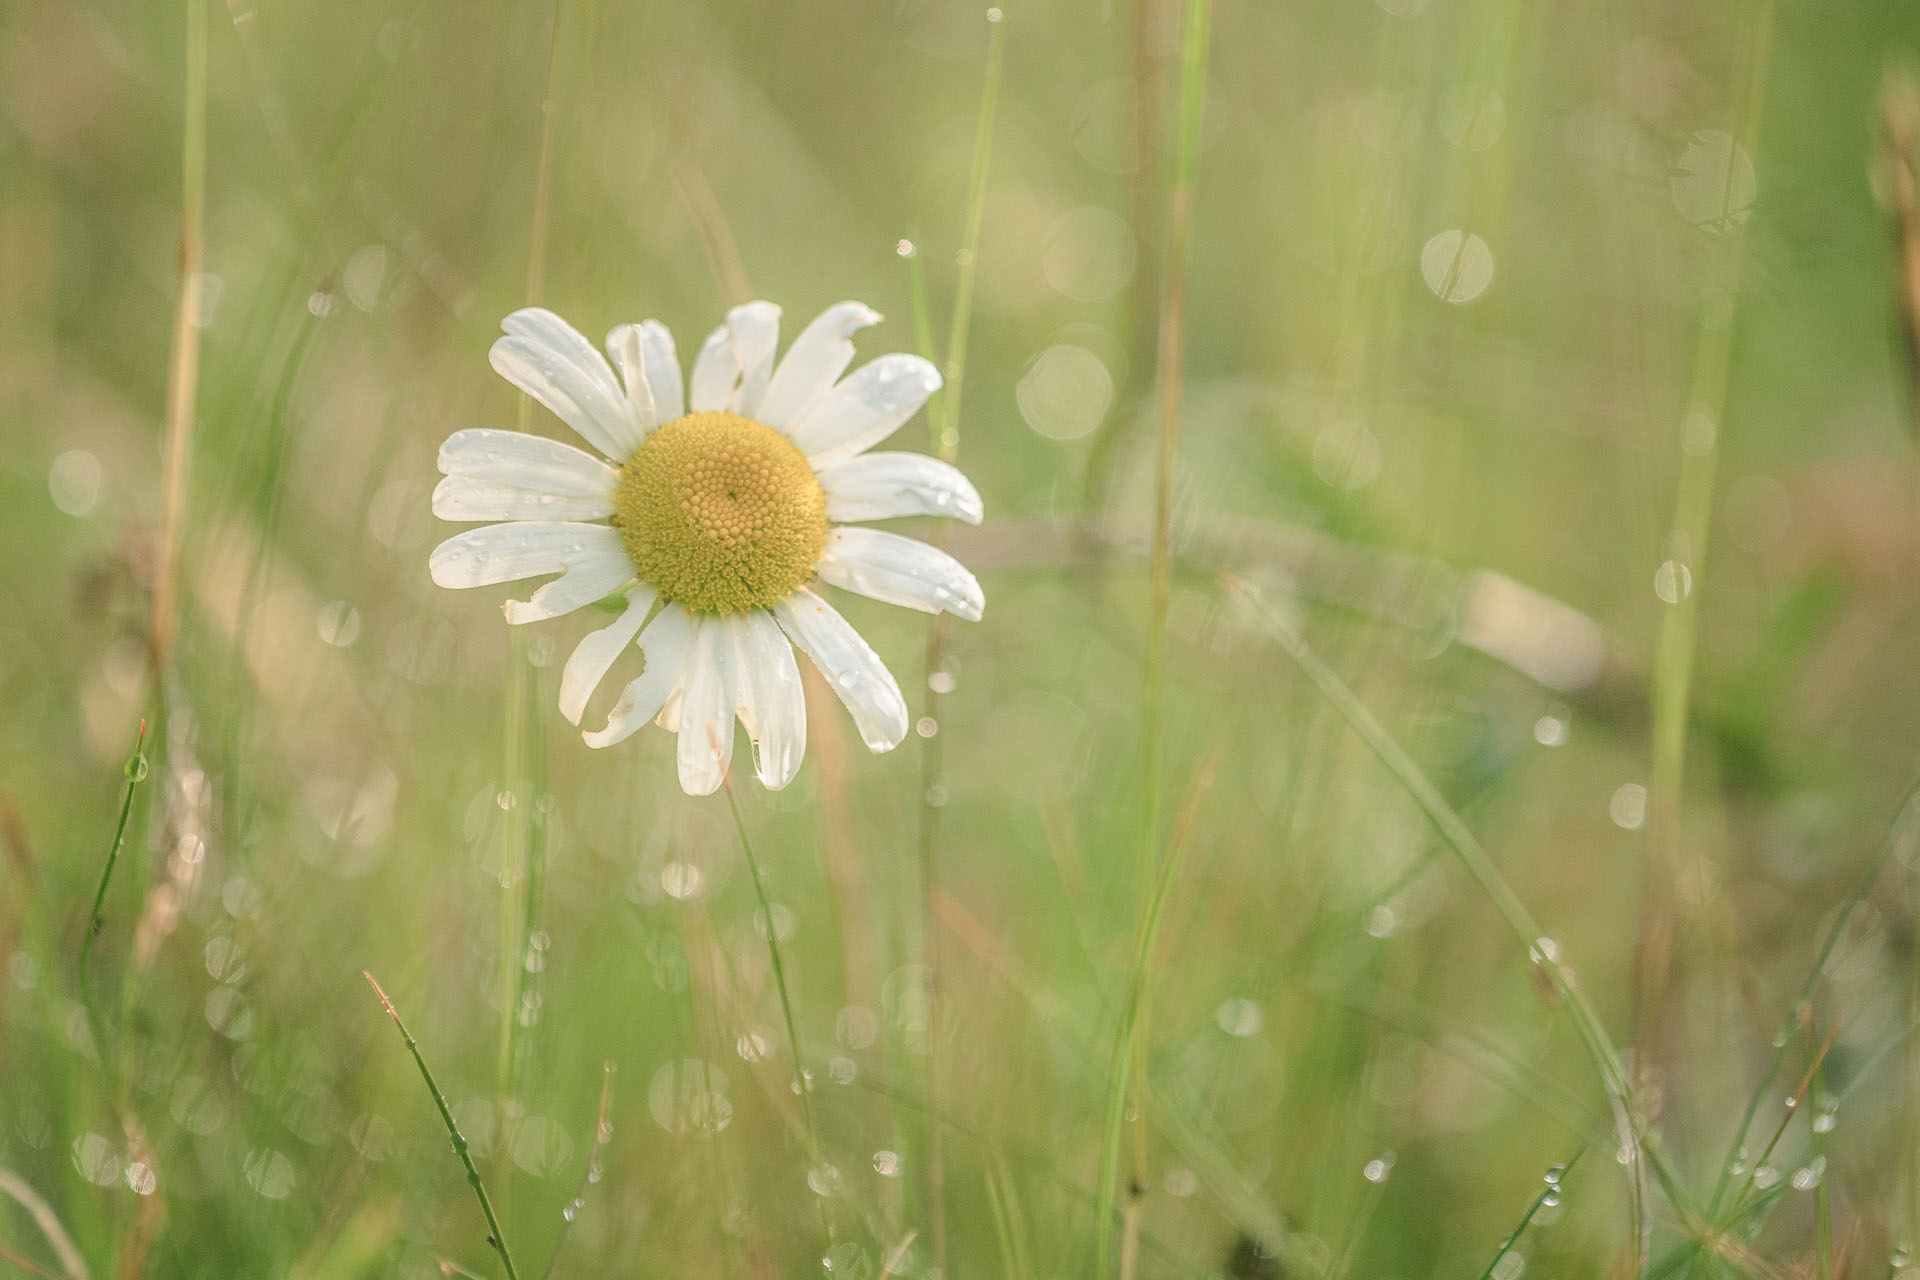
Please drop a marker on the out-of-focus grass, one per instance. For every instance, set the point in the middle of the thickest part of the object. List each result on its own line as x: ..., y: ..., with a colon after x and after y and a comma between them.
x: 1352, y: 1064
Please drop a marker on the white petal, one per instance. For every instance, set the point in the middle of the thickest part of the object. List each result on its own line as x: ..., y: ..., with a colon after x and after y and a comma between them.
x: 626, y: 347
x: 662, y: 364
x: 527, y: 462
x: 594, y: 655
x: 850, y: 666
x: 768, y: 696
x: 817, y: 357
x: 716, y: 370
x: 590, y: 557
x: 897, y: 570
x: 525, y: 549
x: 864, y: 409
x: 591, y: 579
x: 465, y: 498
x: 665, y: 644
x: 753, y: 331
x: 880, y: 486
x: 547, y: 358
x: 706, y: 711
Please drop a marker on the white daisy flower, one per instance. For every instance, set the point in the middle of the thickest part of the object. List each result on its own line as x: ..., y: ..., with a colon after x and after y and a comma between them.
x: 714, y: 518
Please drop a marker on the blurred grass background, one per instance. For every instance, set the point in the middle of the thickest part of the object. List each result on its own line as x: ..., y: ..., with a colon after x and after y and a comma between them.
x: 1480, y: 292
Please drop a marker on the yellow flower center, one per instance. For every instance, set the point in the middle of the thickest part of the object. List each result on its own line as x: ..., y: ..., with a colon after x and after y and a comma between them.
x: 721, y: 514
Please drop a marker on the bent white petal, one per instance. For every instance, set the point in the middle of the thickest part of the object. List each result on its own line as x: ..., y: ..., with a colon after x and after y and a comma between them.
x: 716, y: 370
x: 887, y: 567
x: 862, y: 682
x: 626, y: 347
x: 753, y: 332
x: 592, y: 578
x: 864, y: 409
x: 768, y: 697
x: 706, y: 710
x: 527, y: 462
x: 817, y: 357
x: 880, y: 486
x: 593, y: 657
x: 465, y: 498
x: 526, y: 549
x: 549, y: 360
x: 665, y: 644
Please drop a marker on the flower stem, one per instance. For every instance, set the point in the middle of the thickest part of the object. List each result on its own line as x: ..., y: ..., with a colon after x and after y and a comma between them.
x: 814, y: 1156
x: 459, y: 1140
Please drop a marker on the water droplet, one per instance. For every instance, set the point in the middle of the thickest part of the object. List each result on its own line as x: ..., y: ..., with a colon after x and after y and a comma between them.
x: 1672, y: 581
x: 906, y: 249
x: 1765, y: 1176
x: 1239, y: 1017
x: 942, y: 681
x: 1628, y: 807
x: 926, y: 726
x: 1457, y: 266
x: 1383, y: 921
x: 1550, y: 730
x: 886, y: 1163
x: 682, y: 881
x: 140, y: 1178
x: 1378, y: 1168
x: 825, y: 1180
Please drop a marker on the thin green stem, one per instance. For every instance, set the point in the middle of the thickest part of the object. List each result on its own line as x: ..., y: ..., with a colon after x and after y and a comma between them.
x: 183, y: 364
x: 1549, y: 1195
x: 602, y: 1133
x: 495, y: 1237
x: 814, y: 1154
x: 1127, y: 1074
x: 1684, y: 556
x: 136, y: 772
x: 1803, y: 1002
x: 945, y: 420
x: 1638, y: 1147
x: 1127, y: 1084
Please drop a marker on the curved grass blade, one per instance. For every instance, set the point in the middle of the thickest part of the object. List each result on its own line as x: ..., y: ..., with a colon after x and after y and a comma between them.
x: 494, y: 1237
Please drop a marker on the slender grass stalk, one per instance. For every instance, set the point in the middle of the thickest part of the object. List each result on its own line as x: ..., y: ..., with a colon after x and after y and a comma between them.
x: 183, y: 364
x: 1801, y: 1009
x: 1549, y: 1195
x: 945, y: 421
x: 136, y: 773
x: 1639, y: 1149
x: 72, y: 1264
x: 273, y: 480
x: 1792, y: 1109
x: 602, y: 1133
x: 1128, y: 1066
x: 1822, y: 1201
x: 496, y: 1237
x: 814, y: 1153
x: 524, y: 746
x: 1127, y: 1085
x: 1900, y: 171
x: 1685, y: 556
x: 1357, y: 1229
